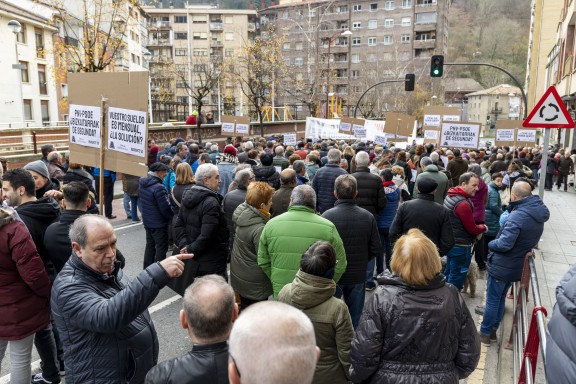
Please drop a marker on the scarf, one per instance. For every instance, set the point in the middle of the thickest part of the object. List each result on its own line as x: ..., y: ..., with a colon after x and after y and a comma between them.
x: 264, y: 212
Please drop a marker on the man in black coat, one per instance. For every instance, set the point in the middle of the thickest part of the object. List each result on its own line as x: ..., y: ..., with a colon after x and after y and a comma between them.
x: 201, y: 226
x: 371, y: 194
x: 102, y: 317
x: 267, y: 172
x: 281, y: 198
x: 208, y: 314
x: 425, y: 214
x: 234, y: 198
x: 359, y: 233
x: 323, y: 182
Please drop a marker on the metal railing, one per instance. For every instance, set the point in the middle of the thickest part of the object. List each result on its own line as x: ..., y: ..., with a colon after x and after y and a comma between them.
x: 527, y: 334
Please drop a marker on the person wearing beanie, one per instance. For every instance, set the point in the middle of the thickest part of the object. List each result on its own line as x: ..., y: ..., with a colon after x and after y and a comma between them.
x: 267, y: 171
x: 42, y: 180
x: 226, y: 163
x: 425, y: 214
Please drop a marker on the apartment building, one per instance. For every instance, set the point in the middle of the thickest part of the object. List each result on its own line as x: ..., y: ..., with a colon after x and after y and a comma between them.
x: 502, y: 102
x: 186, y: 43
x: 388, y: 39
x: 27, y: 91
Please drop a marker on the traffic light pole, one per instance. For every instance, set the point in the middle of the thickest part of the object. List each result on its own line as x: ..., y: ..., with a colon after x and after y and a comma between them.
x: 506, y: 72
x: 372, y: 86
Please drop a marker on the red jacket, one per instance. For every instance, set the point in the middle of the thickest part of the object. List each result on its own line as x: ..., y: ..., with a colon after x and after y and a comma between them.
x: 24, y: 283
x: 191, y: 120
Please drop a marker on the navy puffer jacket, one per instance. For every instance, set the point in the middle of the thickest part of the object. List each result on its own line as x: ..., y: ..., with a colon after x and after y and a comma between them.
x: 561, y: 345
x: 323, y: 185
x: 518, y: 236
x: 156, y: 211
x: 106, y: 330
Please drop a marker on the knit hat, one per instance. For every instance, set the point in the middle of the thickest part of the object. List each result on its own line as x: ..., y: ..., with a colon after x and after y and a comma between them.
x: 427, y: 185
x: 230, y: 150
x: 39, y: 167
x: 158, y: 167
x: 266, y: 159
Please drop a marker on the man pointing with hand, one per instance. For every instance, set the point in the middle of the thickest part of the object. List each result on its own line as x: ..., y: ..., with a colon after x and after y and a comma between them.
x: 102, y: 317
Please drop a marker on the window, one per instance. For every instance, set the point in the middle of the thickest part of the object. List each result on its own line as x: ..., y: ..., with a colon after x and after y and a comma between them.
x: 286, y: 46
x: 44, y: 107
x: 373, y: 7
x: 299, y: 46
x: 38, y: 34
x: 42, y: 79
x: 355, y: 73
x: 388, y: 23
x: 356, y: 7
x: 180, y: 19
x: 64, y: 90
x: 405, y: 38
x: 388, y: 40
x: 199, y: 36
x: 200, y: 52
x: 389, y: 5
x: 21, y: 36
x: 342, y: 9
x: 406, y: 21
x: 229, y: 36
x: 371, y: 41
x: 181, y: 35
x: 312, y: 61
x: 355, y: 58
x: 425, y: 17
x: 356, y: 25
x: 372, y: 24
x: 199, y: 19
x: 371, y: 58
x: 406, y: 3
x: 312, y: 13
x: 298, y: 61
x: 199, y: 67
x: 284, y: 15
x: 356, y: 41
x: 24, y: 72
x: 229, y: 52
x: 182, y: 99
x: 28, y: 110
x: 181, y: 52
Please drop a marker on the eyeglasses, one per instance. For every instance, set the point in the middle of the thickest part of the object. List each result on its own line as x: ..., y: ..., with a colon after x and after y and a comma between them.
x: 235, y: 365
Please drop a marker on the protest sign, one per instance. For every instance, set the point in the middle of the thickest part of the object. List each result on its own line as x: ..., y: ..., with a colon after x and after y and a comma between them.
x: 347, y: 125
x: 359, y: 131
x: 234, y: 124
x: 380, y: 140
x: 84, y: 123
x: 434, y: 115
x: 465, y: 135
x: 525, y: 137
x: 504, y: 137
x: 451, y: 118
x: 289, y: 139
x: 127, y: 131
x: 406, y: 126
x: 431, y: 120
x: 431, y: 134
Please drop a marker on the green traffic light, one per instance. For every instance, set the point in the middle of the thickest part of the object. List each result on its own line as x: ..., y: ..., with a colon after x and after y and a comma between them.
x: 436, y: 72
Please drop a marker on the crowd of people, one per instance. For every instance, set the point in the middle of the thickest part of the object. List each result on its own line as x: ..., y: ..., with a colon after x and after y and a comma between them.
x: 273, y: 249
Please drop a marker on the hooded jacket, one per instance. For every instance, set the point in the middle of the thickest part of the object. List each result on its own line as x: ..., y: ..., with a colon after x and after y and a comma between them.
x: 457, y: 166
x: 414, y: 334
x: 519, y: 234
x: 333, y: 329
x: 38, y: 215
x: 479, y: 200
x: 246, y: 276
x: 104, y: 324
x: 86, y: 178
x: 386, y: 216
x: 561, y: 340
x: 156, y: 212
x: 24, y: 283
x: 323, y: 185
x: 267, y: 174
x: 493, y: 210
x: 371, y: 194
x: 462, y: 216
x: 431, y: 172
x: 52, y: 184
x: 201, y: 228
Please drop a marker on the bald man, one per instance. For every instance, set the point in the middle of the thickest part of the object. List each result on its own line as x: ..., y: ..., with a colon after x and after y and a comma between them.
x: 281, y: 198
x: 272, y: 342
x: 208, y: 313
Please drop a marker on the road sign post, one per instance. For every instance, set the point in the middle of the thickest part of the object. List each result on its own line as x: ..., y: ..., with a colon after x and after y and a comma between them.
x: 549, y: 112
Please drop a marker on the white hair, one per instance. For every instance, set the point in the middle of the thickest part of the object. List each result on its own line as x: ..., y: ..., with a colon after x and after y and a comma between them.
x: 272, y: 342
x: 362, y: 159
x: 204, y: 171
x: 214, y: 147
x: 249, y: 145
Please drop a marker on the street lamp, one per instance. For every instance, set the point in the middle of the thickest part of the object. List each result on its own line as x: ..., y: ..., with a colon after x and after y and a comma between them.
x: 16, y: 27
x: 345, y: 33
x: 148, y: 56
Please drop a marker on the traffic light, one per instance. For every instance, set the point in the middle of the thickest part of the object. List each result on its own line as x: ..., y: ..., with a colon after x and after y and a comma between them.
x: 437, y: 66
x: 488, y: 119
x: 409, y: 82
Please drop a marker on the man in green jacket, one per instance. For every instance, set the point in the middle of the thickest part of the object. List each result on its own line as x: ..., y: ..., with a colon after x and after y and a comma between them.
x: 431, y: 171
x: 286, y: 237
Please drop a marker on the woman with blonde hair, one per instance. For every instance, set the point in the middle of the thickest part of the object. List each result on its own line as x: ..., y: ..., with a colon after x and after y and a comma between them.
x: 416, y: 328
x: 184, y: 180
x: 249, y: 219
x: 398, y: 178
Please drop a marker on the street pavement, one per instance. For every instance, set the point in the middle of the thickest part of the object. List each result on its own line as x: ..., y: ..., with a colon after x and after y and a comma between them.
x: 557, y: 251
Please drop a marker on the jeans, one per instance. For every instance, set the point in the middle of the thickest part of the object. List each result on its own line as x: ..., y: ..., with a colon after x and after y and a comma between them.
x: 457, y: 264
x: 20, y: 359
x: 156, y: 245
x: 386, y: 247
x: 495, y: 302
x: 134, y: 208
x: 46, y: 347
x: 126, y: 202
x: 354, y: 295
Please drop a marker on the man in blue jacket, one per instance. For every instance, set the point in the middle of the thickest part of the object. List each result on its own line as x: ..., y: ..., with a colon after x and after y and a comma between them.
x: 157, y: 214
x: 517, y: 236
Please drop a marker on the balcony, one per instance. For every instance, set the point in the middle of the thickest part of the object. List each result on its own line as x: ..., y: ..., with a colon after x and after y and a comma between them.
x: 160, y: 42
x: 425, y: 27
x: 71, y: 41
x: 216, y: 44
x: 426, y: 4
x: 161, y: 59
x: 425, y: 44
x: 159, y: 25
x: 216, y: 26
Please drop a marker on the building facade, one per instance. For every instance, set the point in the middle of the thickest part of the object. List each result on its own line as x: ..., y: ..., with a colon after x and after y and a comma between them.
x: 502, y: 102
x: 389, y: 38
x: 188, y: 45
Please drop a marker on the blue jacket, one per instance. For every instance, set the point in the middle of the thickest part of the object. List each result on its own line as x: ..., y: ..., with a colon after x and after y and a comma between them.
x: 493, y: 210
x: 519, y: 234
x: 107, y: 173
x: 156, y: 211
x: 323, y: 185
x: 386, y: 215
x: 561, y: 345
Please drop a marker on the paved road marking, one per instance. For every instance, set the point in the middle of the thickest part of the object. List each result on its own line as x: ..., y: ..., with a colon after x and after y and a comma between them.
x: 155, y: 308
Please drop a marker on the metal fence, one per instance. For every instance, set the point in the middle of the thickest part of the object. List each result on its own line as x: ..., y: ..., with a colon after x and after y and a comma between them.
x: 528, y: 334
x: 15, y: 142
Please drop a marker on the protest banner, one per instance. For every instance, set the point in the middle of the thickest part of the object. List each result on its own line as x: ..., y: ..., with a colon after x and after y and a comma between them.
x: 348, y: 124
x: 84, y: 123
x: 317, y: 128
x: 525, y: 137
x: 464, y: 135
x: 126, y: 131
